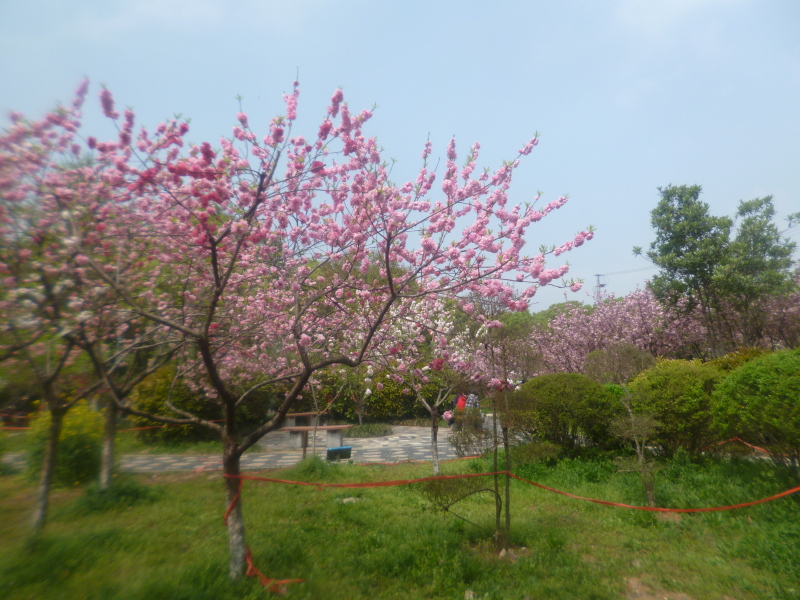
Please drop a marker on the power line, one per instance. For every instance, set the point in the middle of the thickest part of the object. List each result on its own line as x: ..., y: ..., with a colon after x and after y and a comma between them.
x: 624, y: 272
x: 599, y: 285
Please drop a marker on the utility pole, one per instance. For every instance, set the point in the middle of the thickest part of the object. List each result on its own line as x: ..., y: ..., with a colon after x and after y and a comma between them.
x: 598, y: 285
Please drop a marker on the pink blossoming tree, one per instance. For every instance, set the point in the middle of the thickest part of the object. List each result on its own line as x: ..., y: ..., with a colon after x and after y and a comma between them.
x: 638, y: 318
x: 50, y: 306
x: 271, y: 257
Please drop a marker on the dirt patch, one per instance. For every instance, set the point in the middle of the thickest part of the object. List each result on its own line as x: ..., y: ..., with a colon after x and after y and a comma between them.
x: 636, y: 590
x: 669, y: 517
x: 513, y: 554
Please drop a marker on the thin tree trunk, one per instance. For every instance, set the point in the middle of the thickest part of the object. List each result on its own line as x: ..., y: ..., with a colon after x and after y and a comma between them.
x: 434, y: 441
x: 109, y: 433
x: 498, y: 504
x: 236, y: 533
x: 646, y: 482
x: 507, y: 449
x: 48, y: 467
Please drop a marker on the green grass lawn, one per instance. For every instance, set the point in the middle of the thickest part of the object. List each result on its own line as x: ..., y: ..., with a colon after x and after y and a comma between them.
x: 389, y: 543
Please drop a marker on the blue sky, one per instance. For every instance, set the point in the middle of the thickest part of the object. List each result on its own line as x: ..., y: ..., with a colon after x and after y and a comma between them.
x: 627, y: 95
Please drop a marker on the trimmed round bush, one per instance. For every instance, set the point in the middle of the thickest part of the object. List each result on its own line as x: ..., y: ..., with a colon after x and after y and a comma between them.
x: 78, y: 459
x: 678, y: 394
x: 734, y: 360
x: 567, y: 409
x: 760, y: 403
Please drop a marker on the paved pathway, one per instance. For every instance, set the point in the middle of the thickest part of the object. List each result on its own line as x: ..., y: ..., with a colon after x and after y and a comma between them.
x: 405, y: 443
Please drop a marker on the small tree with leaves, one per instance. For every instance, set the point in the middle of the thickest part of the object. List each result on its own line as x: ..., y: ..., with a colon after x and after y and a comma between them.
x: 617, y: 365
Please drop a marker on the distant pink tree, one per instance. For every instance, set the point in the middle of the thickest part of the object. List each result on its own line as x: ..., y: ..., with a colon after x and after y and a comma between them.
x: 638, y: 318
x: 782, y: 327
x: 275, y: 256
x: 425, y: 353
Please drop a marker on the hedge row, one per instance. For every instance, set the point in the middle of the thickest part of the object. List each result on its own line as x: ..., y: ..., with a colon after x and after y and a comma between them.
x: 750, y: 395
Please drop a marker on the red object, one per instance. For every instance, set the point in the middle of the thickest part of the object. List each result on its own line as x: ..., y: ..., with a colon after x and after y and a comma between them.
x: 461, y: 403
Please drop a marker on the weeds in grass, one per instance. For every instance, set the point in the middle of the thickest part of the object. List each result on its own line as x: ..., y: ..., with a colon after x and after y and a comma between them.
x: 124, y: 492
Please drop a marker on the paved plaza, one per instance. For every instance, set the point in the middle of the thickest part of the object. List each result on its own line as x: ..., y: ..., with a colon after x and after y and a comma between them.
x: 404, y: 444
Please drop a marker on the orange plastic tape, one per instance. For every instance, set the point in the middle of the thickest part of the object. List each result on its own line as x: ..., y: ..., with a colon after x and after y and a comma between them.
x: 374, y: 484
x: 319, y: 486
x: 741, y: 441
x: 276, y: 586
x: 656, y: 509
x: 412, y: 462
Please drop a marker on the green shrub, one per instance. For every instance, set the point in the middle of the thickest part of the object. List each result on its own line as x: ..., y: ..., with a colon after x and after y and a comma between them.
x: 122, y: 493
x: 566, y: 409
x: 737, y: 358
x: 151, y: 396
x: 385, y: 404
x: 19, y: 391
x: 78, y: 459
x: 760, y: 403
x: 532, y: 452
x: 678, y: 395
x: 368, y: 430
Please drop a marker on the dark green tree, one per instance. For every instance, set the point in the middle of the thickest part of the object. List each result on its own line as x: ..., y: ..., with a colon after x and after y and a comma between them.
x: 727, y: 279
x: 757, y: 265
x: 690, y: 244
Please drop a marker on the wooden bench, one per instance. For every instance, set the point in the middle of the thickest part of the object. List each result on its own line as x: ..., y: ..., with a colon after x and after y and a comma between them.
x: 298, y: 435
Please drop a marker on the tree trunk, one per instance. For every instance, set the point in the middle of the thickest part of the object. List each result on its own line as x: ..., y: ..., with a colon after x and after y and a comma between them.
x: 48, y: 466
x: 506, y: 448
x: 109, y: 433
x: 236, y: 534
x: 646, y: 481
x: 498, y: 504
x: 434, y: 441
